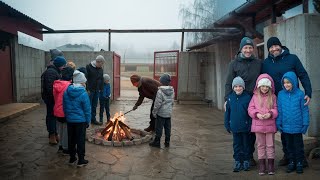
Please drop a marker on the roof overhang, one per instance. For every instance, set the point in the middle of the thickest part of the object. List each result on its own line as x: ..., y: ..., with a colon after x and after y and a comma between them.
x: 13, y: 21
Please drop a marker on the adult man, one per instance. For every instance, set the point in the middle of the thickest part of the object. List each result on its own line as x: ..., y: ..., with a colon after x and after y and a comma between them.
x: 278, y: 62
x: 95, y: 84
x: 51, y: 74
x: 148, y: 88
x: 248, y: 68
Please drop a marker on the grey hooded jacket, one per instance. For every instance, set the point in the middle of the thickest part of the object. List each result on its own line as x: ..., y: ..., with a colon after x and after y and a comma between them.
x: 164, y: 102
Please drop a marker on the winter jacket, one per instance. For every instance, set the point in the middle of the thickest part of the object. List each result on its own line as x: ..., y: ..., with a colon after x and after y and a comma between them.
x: 276, y: 67
x: 106, y: 92
x: 94, y: 77
x: 164, y: 102
x: 51, y: 74
x: 59, y: 87
x: 147, y: 88
x: 293, y: 114
x: 265, y: 125
x: 247, y: 68
x: 236, y: 117
x: 76, y: 104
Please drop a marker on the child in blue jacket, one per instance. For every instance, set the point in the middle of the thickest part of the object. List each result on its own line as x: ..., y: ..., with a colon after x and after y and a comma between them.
x: 293, y: 120
x: 238, y: 121
x: 105, y: 95
x: 77, y: 109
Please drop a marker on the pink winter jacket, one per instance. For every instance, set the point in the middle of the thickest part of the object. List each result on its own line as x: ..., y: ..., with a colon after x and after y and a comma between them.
x: 59, y: 87
x: 265, y: 125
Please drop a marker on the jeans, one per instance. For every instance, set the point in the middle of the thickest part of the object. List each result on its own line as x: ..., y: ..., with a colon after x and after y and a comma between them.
x: 76, y: 139
x: 265, y: 145
x: 165, y: 123
x: 104, y: 104
x: 241, y: 146
x: 50, y: 118
x: 295, y: 147
x: 93, y: 96
x: 152, y: 119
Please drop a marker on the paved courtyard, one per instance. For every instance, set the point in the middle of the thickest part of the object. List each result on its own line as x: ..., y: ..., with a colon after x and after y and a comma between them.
x: 200, y: 149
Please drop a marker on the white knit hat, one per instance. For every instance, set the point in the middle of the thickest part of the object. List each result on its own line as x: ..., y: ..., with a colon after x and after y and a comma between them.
x: 79, y: 77
x: 106, y: 77
x: 264, y: 82
x: 100, y: 58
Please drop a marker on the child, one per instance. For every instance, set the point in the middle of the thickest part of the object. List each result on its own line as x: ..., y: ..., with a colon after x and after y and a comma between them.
x: 293, y: 120
x: 77, y: 108
x: 105, y: 98
x: 237, y: 121
x: 162, y: 110
x: 59, y: 86
x: 263, y: 111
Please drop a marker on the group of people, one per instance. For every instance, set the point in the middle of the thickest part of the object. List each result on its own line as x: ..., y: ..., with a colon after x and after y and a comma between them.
x: 263, y: 97
x: 70, y: 109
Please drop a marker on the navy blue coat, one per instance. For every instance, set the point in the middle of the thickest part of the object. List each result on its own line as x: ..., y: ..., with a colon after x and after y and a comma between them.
x: 293, y: 114
x: 76, y: 105
x: 276, y: 67
x: 236, y: 117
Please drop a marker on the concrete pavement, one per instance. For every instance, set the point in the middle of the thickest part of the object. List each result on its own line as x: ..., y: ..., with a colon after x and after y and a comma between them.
x: 200, y: 149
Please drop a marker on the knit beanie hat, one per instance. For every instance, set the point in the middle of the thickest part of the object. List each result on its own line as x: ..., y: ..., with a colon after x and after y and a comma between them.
x: 78, y: 77
x: 165, y: 79
x: 245, y: 41
x: 67, y: 73
x: 238, y: 81
x: 100, y: 58
x: 54, y: 53
x: 264, y: 82
x: 273, y: 41
x: 106, y: 77
x: 135, y: 78
x: 59, y: 61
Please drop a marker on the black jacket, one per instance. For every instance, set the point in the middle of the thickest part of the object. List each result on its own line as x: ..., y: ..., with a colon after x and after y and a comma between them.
x: 248, y: 69
x: 51, y: 74
x: 276, y: 67
x: 94, y: 78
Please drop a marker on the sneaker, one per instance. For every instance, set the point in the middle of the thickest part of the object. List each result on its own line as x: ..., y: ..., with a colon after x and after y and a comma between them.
x: 299, y: 168
x: 60, y: 150
x: 246, y: 165
x: 72, y: 160
x: 82, y: 163
x: 290, y: 167
x: 237, y: 166
x: 283, y: 162
x: 65, y: 152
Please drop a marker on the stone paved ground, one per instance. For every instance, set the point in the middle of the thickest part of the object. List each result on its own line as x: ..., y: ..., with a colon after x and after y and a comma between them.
x: 200, y: 149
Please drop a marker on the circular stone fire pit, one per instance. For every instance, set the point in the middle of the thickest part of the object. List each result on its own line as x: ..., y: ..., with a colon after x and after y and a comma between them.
x: 139, y: 137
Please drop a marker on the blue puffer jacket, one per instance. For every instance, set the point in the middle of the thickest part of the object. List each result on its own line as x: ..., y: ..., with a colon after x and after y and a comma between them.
x: 293, y: 114
x: 76, y: 105
x: 285, y: 62
x: 236, y: 117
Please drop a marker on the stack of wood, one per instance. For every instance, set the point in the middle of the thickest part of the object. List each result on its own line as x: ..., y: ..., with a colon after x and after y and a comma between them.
x: 112, y: 131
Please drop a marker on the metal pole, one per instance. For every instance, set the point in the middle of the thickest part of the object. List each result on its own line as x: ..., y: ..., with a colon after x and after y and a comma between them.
x: 273, y: 14
x: 305, y: 6
x: 182, y: 41
x: 109, y: 43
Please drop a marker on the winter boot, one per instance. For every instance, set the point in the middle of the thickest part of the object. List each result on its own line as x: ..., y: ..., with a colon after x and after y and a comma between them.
x: 167, y: 142
x: 299, y: 168
x: 246, y: 165
x: 82, y: 162
x: 155, y: 143
x: 52, y: 139
x: 148, y: 129
x: 60, y: 150
x: 72, y: 160
x: 237, y: 166
x: 262, y: 167
x: 291, y: 167
x: 283, y: 162
x: 271, y: 166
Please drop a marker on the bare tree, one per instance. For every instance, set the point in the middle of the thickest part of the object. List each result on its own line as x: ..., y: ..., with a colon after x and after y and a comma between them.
x: 200, y: 14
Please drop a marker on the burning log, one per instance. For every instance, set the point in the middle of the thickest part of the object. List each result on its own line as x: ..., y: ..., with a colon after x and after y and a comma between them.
x: 126, y: 130
x: 105, y: 130
x: 113, y: 128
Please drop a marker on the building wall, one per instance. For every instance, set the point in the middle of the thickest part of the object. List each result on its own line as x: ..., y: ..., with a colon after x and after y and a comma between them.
x: 301, y: 34
x: 29, y: 65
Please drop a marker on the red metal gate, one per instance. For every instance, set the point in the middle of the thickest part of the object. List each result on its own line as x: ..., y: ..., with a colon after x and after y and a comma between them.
x: 6, y: 92
x: 116, y: 76
x: 167, y: 62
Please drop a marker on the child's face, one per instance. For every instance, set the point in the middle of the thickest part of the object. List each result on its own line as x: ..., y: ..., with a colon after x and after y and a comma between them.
x: 106, y: 81
x: 287, y: 84
x: 264, y: 89
x: 238, y: 89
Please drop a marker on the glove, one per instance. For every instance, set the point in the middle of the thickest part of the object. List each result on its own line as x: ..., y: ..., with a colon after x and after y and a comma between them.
x: 304, y: 129
x: 279, y: 128
x: 87, y: 125
x: 135, y: 107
